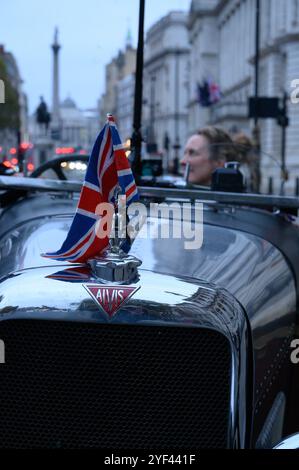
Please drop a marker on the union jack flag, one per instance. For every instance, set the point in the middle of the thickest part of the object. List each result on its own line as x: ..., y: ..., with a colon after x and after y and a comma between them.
x: 79, y: 274
x: 108, y: 168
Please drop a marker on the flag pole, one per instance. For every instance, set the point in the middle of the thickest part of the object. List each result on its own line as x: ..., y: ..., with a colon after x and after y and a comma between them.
x: 256, y: 130
x: 136, y: 140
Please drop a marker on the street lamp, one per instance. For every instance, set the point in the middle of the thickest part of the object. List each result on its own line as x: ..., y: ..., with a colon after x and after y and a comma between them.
x: 256, y: 131
x: 137, y: 137
x: 177, y: 144
x: 152, y: 146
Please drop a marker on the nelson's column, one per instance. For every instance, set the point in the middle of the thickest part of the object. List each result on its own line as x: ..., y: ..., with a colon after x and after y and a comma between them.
x: 55, y: 124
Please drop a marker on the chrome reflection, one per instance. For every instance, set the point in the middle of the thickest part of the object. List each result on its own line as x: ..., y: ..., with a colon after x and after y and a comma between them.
x: 291, y: 442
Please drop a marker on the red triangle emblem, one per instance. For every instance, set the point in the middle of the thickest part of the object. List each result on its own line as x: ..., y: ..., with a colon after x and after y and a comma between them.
x: 110, y: 298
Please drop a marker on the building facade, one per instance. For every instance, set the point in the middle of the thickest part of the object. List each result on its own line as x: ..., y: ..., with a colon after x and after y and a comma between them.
x: 222, y: 37
x: 166, y: 86
x: 125, y: 106
x: 121, y: 66
x: 73, y: 124
x: 8, y: 136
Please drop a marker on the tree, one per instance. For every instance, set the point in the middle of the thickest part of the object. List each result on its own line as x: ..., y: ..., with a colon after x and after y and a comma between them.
x: 10, y: 110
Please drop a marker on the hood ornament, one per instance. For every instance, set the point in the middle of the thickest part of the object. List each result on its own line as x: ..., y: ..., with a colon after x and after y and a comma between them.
x: 114, y: 264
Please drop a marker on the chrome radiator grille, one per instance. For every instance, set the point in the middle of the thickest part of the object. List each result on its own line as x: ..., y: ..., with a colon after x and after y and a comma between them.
x: 75, y: 385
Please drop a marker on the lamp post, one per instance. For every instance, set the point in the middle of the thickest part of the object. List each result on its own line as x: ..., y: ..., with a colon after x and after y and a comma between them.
x: 177, y: 144
x: 256, y: 130
x: 152, y: 137
x: 136, y: 140
x: 283, y: 121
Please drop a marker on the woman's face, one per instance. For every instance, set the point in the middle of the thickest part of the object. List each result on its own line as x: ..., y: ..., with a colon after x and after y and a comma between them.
x: 196, y: 153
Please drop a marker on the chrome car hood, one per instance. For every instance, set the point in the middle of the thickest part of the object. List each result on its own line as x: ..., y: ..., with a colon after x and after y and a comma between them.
x: 230, y: 259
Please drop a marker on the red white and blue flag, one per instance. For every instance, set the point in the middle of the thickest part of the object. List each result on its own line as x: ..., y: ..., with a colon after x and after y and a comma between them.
x: 78, y: 274
x: 108, y: 168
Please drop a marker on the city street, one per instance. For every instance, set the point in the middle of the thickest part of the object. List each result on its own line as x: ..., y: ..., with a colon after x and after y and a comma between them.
x: 149, y: 229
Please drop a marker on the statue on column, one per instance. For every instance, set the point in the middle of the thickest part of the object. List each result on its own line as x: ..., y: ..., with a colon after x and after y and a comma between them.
x: 43, y: 117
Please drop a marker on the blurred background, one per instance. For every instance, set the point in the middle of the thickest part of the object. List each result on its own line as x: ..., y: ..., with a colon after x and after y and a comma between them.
x: 231, y: 63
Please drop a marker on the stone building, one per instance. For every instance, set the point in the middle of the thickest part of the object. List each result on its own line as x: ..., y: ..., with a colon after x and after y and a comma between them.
x: 8, y: 137
x: 222, y: 37
x: 121, y: 66
x: 166, y: 85
x: 125, y: 106
x: 74, y: 125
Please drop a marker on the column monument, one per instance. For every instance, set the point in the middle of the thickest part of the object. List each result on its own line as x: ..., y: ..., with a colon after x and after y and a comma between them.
x: 55, y: 98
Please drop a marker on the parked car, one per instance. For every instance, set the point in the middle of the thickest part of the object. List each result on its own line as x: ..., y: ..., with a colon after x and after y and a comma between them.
x: 6, y: 169
x: 163, y: 348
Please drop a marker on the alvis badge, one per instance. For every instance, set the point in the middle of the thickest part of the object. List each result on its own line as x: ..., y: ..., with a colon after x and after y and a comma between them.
x: 110, y: 298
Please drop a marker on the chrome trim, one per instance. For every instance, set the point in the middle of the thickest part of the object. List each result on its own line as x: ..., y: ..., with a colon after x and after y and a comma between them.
x: 115, y: 267
x: 38, y: 184
x: 291, y: 442
x: 247, y: 199
x: 254, y: 200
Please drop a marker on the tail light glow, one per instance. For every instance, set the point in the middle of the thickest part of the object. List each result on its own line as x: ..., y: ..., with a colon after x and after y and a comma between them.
x: 64, y: 150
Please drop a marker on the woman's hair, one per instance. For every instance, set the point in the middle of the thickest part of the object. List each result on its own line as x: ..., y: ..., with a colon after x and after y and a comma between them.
x: 221, y: 146
x: 245, y: 147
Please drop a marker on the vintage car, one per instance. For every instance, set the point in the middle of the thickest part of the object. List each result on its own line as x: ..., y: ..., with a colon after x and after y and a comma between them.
x: 161, y: 348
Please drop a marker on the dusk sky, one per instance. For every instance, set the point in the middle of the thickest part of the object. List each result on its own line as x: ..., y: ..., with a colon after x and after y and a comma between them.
x: 91, y: 32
